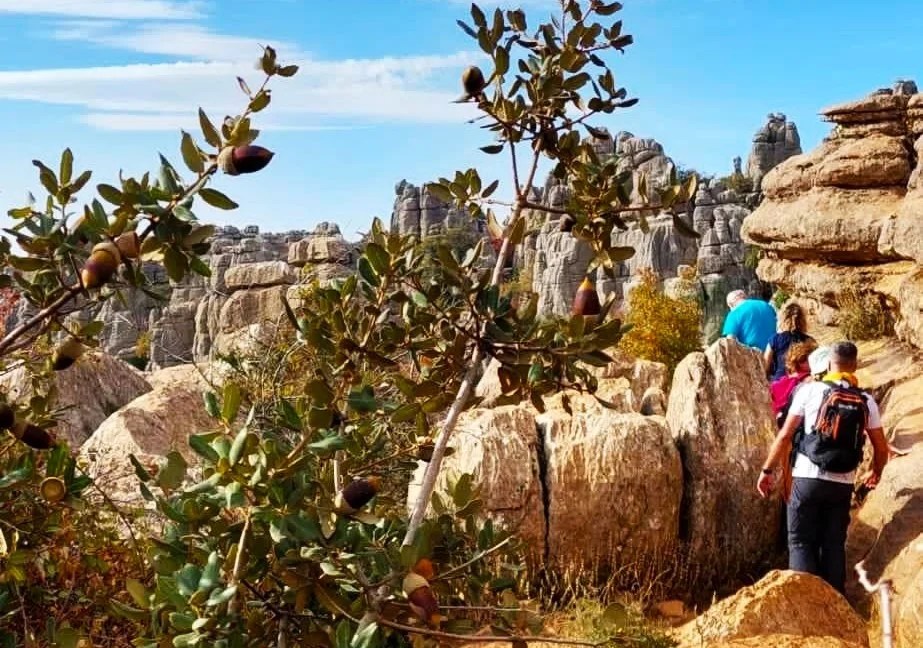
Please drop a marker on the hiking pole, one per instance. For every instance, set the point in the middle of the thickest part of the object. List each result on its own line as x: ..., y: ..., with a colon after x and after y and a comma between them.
x: 883, y: 587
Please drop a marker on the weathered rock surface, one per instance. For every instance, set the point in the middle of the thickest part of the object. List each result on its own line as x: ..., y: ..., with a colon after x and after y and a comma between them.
x: 777, y: 641
x: 92, y: 388
x: 149, y: 427
x: 720, y: 416
x: 851, y: 208
x: 774, y: 143
x: 784, y: 603
x: 546, y: 475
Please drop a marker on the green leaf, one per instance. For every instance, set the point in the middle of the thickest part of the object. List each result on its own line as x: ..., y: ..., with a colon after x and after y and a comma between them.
x: 140, y: 470
x: 191, y: 155
x: 463, y: 490
x: 518, y: 233
x: 138, y: 592
x: 615, y: 617
x: 180, y: 621
x: 127, y: 612
x: 379, y: 258
x: 234, y: 495
x: 465, y: 28
x: 331, y: 443
x: 66, y: 637
x: 490, y: 189
x: 211, y: 572
x: 211, y: 404
x: 244, y: 87
x: 209, y: 132
x: 367, y: 272
x: 221, y: 596
x: 287, y: 71
x: 110, y: 194
x: 174, y: 262
x: 439, y: 192
x: 683, y: 228
x: 171, y: 475
x: 203, y: 448
x: 67, y: 166
x: 260, y: 101
x: 27, y: 264
x: 492, y: 149
x: 217, y: 199
x: 231, y: 402
x: 620, y: 254
x: 363, y: 400
x: 501, y: 61
x: 238, y: 446
x: 478, y: 16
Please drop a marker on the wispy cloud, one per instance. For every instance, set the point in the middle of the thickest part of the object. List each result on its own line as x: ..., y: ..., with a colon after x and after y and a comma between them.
x: 323, y: 94
x: 181, y: 40
x: 113, y: 9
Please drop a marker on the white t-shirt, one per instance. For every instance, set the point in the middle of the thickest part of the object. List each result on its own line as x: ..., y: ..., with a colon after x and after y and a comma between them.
x: 806, y: 403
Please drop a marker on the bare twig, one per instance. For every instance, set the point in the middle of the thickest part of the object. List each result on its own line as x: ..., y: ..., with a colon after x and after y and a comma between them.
x: 234, y: 605
x: 480, y: 556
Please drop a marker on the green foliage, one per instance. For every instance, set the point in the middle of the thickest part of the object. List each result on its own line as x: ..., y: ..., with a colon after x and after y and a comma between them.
x: 861, y: 315
x: 736, y: 182
x: 752, y: 256
x: 780, y: 297
x: 663, y: 329
x: 592, y: 621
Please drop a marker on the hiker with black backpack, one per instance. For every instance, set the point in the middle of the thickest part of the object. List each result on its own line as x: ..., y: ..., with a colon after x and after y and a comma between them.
x: 837, y: 417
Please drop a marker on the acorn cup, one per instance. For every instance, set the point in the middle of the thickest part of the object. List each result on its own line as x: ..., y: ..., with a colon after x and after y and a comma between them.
x: 357, y: 494
x: 103, y: 262
x: 67, y: 353
x: 129, y: 245
x: 244, y: 159
x: 586, y: 302
x: 53, y: 489
x: 7, y: 416
x: 33, y: 436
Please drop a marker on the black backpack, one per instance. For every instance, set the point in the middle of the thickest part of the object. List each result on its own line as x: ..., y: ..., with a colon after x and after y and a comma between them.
x: 839, y: 431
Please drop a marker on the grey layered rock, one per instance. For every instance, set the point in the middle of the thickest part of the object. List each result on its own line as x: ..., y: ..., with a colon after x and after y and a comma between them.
x: 774, y: 143
x: 418, y: 213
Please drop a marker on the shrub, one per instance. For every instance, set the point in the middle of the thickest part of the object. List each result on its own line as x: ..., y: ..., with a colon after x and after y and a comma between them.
x: 862, y: 315
x: 662, y: 329
x: 780, y: 297
x: 736, y: 182
x: 590, y: 620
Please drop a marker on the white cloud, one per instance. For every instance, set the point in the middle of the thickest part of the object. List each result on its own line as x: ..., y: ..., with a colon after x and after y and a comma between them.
x: 322, y: 94
x: 118, y: 9
x: 171, y: 39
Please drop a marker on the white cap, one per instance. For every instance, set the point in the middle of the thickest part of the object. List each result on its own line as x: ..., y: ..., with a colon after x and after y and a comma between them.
x: 735, y: 296
x: 819, y: 360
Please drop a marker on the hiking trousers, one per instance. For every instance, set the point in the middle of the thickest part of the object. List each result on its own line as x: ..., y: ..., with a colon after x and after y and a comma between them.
x: 818, y: 517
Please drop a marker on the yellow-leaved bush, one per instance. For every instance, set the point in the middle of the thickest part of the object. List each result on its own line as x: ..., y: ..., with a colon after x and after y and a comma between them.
x: 663, y: 329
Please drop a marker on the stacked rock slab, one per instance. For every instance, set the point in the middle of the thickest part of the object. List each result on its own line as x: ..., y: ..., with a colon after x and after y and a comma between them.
x: 774, y: 143
x: 851, y: 211
x: 419, y: 213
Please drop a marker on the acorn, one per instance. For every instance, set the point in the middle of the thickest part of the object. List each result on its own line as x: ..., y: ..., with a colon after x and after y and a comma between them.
x: 129, y: 245
x: 33, y: 436
x: 566, y: 223
x: 586, y: 302
x: 244, y: 159
x: 421, y: 598
x: 67, y: 353
x: 103, y: 262
x: 473, y: 82
x: 7, y: 416
x: 357, y: 494
x: 53, y: 489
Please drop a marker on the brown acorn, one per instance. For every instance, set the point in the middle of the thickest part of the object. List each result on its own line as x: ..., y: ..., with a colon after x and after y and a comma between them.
x: 244, y: 159
x: 586, y: 302
x: 7, y: 417
x: 103, y: 262
x: 129, y: 245
x: 33, y: 436
x: 566, y: 223
x: 422, y: 600
x: 357, y: 494
x: 67, y: 353
x: 473, y: 82
x: 53, y: 489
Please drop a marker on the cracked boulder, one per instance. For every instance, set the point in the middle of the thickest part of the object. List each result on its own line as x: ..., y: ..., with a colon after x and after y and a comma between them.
x: 720, y: 416
x: 594, y: 490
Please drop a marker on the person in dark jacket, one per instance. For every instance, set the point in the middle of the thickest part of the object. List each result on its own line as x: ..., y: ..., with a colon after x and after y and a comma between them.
x: 792, y: 329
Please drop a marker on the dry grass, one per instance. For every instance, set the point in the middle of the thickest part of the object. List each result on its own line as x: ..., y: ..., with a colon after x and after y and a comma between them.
x: 862, y: 315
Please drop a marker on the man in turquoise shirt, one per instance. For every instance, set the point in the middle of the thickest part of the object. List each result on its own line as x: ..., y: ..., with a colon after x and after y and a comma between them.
x: 751, y: 321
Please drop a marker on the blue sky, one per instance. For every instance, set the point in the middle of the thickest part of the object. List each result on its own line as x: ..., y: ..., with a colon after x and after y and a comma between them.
x: 116, y: 79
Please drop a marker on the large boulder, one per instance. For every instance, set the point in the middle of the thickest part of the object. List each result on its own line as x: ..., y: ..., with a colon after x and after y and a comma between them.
x: 720, y: 416
x: 150, y: 427
x: 91, y: 389
x: 784, y: 603
x: 620, y: 471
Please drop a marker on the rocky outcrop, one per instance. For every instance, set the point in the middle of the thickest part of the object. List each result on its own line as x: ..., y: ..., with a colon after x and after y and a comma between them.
x: 90, y: 390
x: 774, y: 143
x: 793, y: 606
x: 721, y: 418
x: 546, y: 474
x: 149, y: 427
x: 419, y: 213
x: 850, y: 210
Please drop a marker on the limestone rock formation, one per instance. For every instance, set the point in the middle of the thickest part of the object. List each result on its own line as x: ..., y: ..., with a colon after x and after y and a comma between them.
x: 149, y: 427
x: 783, y: 603
x: 417, y: 212
x: 774, y: 143
x: 546, y: 475
x: 850, y: 210
x: 91, y: 389
x: 720, y: 415
x: 776, y: 641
